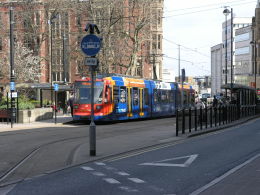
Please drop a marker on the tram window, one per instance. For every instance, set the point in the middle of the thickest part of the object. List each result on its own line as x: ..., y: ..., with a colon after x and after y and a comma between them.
x: 135, y: 96
x: 122, y: 94
x: 171, y: 96
x: 185, y: 97
x: 163, y: 96
x: 159, y: 95
x: 146, y: 96
x: 116, y: 94
x: 155, y: 95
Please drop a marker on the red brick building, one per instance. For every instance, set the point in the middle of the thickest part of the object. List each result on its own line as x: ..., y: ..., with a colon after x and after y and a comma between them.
x: 54, y: 32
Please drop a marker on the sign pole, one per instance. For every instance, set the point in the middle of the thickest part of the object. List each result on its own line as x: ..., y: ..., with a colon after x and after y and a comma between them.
x: 56, y: 88
x: 90, y: 46
x: 12, y: 84
x: 55, y: 108
x: 92, y: 127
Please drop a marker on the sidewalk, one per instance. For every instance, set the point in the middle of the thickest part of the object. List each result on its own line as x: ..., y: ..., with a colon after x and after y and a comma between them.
x: 37, y: 124
x: 241, y: 180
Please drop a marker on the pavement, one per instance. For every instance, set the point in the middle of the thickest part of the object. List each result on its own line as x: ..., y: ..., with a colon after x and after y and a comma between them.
x: 241, y: 180
x: 61, y: 119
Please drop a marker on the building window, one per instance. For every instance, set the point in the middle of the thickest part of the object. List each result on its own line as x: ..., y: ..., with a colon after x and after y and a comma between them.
x: 1, y: 44
x: 242, y: 37
x: 78, y: 21
x: 37, y: 18
x: 159, y: 42
x: 242, y: 50
x: 0, y: 19
x: 159, y: 20
x: 154, y: 42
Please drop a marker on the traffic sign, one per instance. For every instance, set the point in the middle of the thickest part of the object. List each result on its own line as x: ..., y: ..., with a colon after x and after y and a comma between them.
x: 56, y: 87
x: 12, y: 86
x: 91, y: 61
x: 14, y: 94
x: 90, y: 45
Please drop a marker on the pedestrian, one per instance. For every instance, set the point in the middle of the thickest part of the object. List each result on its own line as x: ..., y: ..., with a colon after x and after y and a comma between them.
x: 70, y: 103
x: 215, y: 102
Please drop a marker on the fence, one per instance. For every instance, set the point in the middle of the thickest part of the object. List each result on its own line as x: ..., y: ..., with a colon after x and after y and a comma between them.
x: 194, y: 119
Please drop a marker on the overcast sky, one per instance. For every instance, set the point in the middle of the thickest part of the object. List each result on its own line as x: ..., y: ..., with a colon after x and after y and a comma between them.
x: 196, y: 25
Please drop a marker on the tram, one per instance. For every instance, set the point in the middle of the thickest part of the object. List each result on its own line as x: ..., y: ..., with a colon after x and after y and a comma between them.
x: 123, y: 98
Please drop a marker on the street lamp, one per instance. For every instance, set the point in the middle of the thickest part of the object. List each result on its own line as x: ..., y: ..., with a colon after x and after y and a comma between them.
x: 53, y: 16
x: 64, y: 58
x: 226, y: 12
x: 253, y: 43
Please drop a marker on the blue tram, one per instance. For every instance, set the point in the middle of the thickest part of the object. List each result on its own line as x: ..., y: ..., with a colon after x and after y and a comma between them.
x: 124, y: 98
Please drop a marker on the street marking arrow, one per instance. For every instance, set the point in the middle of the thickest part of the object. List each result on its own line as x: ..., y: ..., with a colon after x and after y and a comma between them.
x: 162, y: 163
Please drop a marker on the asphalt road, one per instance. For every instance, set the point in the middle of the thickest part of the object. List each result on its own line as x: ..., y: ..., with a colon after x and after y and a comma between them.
x: 27, y: 153
x: 179, y: 168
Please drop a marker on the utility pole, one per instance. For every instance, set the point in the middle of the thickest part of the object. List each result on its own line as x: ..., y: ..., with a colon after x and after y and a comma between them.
x: 231, y: 60
x: 179, y: 63
x: 12, y: 84
x: 154, y: 66
x: 64, y: 58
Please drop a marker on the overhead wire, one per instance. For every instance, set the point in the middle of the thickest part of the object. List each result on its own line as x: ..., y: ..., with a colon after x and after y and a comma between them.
x: 208, y: 5
x: 194, y: 50
x: 204, y: 10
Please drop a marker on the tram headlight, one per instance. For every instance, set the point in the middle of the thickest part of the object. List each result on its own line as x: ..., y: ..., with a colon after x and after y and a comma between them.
x: 98, y: 107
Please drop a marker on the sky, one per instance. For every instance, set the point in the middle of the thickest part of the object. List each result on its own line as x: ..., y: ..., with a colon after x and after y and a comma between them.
x: 196, y: 26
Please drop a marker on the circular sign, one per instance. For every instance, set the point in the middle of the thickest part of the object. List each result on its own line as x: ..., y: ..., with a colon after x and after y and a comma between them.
x: 90, y: 45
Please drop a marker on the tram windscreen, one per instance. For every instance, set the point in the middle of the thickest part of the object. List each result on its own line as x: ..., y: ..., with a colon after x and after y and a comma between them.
x: 83, y: 92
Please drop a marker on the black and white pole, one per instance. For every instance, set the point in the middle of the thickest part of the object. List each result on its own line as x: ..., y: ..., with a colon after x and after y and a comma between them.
x: 87, y: 48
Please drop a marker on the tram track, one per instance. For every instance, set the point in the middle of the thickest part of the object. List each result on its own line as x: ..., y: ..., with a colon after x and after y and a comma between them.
x: 30, y: 155
x: 64, y: 152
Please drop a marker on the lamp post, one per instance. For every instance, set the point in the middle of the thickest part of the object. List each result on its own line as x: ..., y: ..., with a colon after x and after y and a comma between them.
x: 64, y: 59
x: 226, y: 12
x: 253, y: 43
x: 53, y: 16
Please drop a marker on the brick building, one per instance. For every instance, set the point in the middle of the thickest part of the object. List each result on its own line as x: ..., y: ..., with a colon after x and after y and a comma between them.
x: 54, y: 32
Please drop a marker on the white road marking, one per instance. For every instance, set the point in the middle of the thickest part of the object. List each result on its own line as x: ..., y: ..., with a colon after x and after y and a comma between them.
x: 100, y: 163
x: 128, y: 189
x: 87, y: 168
x: 162, y: 163
x: 215, y: 181
x: 110, y: 168
x: 98, y: 174
x: 122, y: 173
x: 136, y: 180
x: 111, y: 181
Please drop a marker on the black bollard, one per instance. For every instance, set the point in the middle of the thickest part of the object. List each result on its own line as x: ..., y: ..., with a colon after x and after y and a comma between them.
x: 177, y: 122
x: 196, y: 119
x: 190, y: 119
x: 183, y: 121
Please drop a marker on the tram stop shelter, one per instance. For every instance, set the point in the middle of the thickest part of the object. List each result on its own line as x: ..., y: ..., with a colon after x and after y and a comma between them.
x: 241, y: 95
x: 43, y: 91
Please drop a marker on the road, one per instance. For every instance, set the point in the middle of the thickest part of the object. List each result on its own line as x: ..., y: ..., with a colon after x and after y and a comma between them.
x: 180, y: 168
x: 27, y: 153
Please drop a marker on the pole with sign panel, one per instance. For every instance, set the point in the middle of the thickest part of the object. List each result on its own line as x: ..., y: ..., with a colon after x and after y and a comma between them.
x: 56, y: 88
x: 90, y: 46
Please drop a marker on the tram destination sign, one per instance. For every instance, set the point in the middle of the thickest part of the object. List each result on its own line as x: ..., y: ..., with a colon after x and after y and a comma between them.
x: 90, y: 45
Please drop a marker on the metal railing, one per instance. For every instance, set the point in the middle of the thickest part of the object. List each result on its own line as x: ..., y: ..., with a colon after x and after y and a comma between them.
x: 194, y: 119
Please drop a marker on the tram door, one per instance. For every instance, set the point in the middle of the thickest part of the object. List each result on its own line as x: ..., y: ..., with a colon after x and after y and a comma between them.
x: 135, y: 102
x: 129, y: 102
